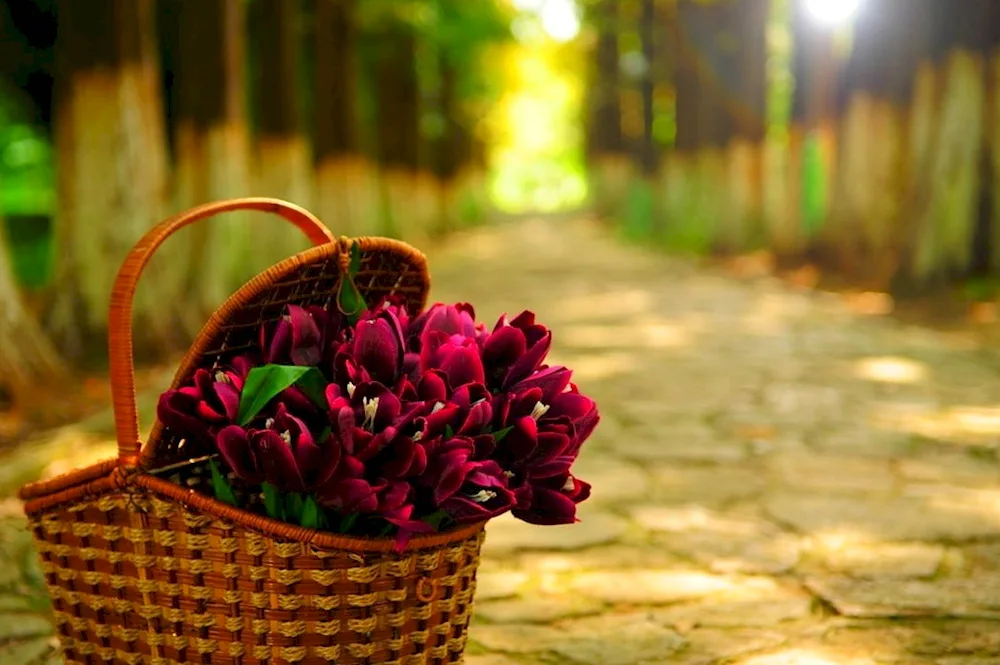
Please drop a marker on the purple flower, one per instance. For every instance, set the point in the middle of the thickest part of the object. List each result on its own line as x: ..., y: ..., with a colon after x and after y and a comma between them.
x: 301, y: 337
x: 455, y: 356
x: 210, y: 402
x: 458, y: 319
x: 377, y: 347
x: 482, y: 495
x: 551, y: 501
x: 284, y: 454
x: 514, y: 350
x: 466, y: 488
x: 349, y: 495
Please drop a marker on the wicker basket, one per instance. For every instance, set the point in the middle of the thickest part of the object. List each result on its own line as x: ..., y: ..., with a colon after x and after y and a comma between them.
x: 142, y: 570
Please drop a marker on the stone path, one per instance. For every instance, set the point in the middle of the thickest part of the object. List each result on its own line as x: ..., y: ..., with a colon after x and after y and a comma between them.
x: 777, y: 481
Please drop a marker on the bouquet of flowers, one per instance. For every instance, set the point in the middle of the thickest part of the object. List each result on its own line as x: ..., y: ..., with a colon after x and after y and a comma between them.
x: 379, y: 423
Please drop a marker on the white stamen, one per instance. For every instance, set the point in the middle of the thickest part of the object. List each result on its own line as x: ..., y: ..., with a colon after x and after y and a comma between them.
x: 269, y: 423
x: 286, y: 436
x: 569, y: 485
x: 539, y: 410
x: 350, y: 389
x: 437, y: 407
x: 221, y: 377
x: 508, y: 474
x: 482, y: 496
x: 418, y: 436
x: 370, y: 405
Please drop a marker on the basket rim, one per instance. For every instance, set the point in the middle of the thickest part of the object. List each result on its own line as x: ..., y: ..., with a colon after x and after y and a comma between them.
x: 119, y: 480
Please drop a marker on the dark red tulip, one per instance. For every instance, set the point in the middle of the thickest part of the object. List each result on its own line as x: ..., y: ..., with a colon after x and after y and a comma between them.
x: 284, y: 454
x: 552, y: 501
x: 300, y: 337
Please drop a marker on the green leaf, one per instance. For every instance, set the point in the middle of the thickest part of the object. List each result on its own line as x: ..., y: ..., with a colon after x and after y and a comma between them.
x: 387, y: 529
x: 449, y: 431
x: 350, y: 300
x: 314, y: 384
x: 324, y: 435
x: 272, y: 502
x: 355, y: 264
x: 436, y: 519
x: 499, y: 435
x: 264, y: 384
x: 310, y: 515
x: 347, y: 522
x: 293, y: 507
x: 223, y: 492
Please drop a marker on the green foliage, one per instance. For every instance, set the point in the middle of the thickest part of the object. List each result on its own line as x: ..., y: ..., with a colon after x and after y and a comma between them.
x: 639, y: 210
x: 27, y: 175
x: 220, y: 486
x: 265, y: 383
x: 272, y: 502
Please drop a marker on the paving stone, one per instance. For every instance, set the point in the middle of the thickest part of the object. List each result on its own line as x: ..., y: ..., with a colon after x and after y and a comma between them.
x: 505, y: 533
x: 722, y: 543
x: 876, y: 559
x: 833, y: 473
x: 27, y: 652
x: 535, y: 608
x: 766, y: 610
x: 972, y: 597
x: 605, y: 557
x: 679, y: 484
x: 623, y: 639
x: 498, y: 584
x: 708, y: 647
x: 807, y: 656
x: 515, y: 638
x: 489, y: 659
x: 21, y: 626
x: 649, y: 587
x: 613, y: 480
x: 680, y: 442
x: 860, y: 440
x: 951, y: 468
x: 927, y: 514
x: 967, y: 638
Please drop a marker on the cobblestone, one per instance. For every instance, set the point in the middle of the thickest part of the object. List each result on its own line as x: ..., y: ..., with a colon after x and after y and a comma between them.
x: 777, y: 479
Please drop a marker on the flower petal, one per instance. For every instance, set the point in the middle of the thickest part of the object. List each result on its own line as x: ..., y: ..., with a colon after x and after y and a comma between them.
x: 463, y: 365
x: 306, y: 346
x: 276, y: 460
x: 233, y: 445
x: 528, y: 362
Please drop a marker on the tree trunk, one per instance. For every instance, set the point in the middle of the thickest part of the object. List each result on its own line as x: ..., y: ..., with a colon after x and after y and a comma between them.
x: 607, y: 154
x: 28, y: 356
x: 872, y: 174
x: 748, y: 112
x: 283, y: 160
x: 347, y: 188
x: 111, y: 157
x: 212, y: 150
x: 450, y: 150
x: 951, y: 143
x: 697, y: 177
x: 397, y: 111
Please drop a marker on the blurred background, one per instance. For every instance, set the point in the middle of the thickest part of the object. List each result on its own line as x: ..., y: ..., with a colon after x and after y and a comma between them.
x: 766, y: 234
x: 846, y: 142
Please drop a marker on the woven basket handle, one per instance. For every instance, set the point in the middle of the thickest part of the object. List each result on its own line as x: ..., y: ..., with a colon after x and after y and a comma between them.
x: 120, y: 318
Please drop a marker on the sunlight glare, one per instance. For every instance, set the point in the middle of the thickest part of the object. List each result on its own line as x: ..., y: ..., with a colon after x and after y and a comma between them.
x: 560, y: 20
x: 833, y: 12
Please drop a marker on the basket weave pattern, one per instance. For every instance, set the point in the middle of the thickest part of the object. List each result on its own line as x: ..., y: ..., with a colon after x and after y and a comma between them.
x: 143, y: 571
x: 136, y: 579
